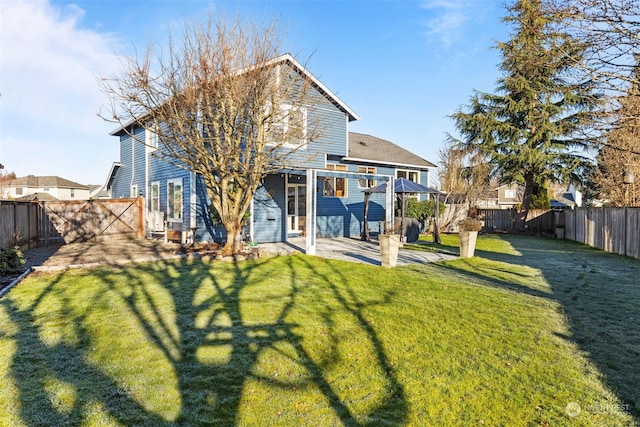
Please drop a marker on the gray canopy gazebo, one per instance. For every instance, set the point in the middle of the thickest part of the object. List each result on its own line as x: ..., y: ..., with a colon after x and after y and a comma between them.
x: 401, y: 187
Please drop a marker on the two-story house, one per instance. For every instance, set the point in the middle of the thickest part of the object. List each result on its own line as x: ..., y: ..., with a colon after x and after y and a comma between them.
x: 44, y: 188
x: 323, y: 191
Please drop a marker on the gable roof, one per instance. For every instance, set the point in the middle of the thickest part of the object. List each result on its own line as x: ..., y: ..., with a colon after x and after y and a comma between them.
x: 333, y: 98
x: 38, y: 197
x: 45, y: 181
x: 367, y: 148
x: 298, y: 68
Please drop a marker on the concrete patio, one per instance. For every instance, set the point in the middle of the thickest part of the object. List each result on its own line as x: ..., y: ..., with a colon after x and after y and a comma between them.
x: 353, y: 250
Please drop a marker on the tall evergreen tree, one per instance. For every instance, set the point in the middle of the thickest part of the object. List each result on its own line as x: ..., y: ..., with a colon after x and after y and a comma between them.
x: 532, y: 129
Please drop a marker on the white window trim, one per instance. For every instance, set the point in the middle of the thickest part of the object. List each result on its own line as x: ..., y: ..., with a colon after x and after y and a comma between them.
x: 370, y: 182
x: 332, y: 167
x: 154, y: 183
x: 151, y: 140
x: 409, y: 171
x: 170, y: 218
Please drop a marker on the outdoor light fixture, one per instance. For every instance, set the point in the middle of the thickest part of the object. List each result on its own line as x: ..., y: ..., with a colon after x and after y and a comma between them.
x: 628, y: 177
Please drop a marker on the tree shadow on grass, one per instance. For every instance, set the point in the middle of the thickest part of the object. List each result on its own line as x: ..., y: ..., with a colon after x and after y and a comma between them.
x: 600, y: 296
x: 192, y: 343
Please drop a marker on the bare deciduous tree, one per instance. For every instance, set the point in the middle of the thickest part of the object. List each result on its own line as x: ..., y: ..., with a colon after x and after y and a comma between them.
x: 610, y: 31
x: 464, y: 177
x: 223, y: 105
x: 621, y: 154
x: 5, y: 179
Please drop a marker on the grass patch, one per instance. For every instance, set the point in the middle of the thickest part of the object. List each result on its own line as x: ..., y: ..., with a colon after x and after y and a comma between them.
x: 304, y: 341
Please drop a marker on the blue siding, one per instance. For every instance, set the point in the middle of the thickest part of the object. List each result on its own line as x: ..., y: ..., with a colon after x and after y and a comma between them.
x: 344, y: 216
x: 132, y: 158
x: 162, y: 171
x: 206, y: 231
x: 330, y: 124
x: 139, y: 160
x: 269, y: 213
x: 121, y: 184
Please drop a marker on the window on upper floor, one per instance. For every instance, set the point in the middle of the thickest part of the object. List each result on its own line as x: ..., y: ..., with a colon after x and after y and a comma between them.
x: 366, y: 183
x: 18, y: 191
x: 72, y: 192
x: 174, y: 200
x: 510, y: 194
x: 334, y: 186
x: 289, y: 126
x: 151, y: 139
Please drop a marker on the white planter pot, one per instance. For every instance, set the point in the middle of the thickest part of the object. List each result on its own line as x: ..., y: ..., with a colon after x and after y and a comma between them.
x: 468, y: 243
x: 389, y: 245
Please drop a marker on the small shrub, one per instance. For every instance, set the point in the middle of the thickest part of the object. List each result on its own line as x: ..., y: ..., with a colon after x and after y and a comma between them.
x: 470, y: 224
x: 11, y: 259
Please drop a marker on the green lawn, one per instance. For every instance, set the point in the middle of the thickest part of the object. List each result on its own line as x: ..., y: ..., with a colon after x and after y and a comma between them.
x: 519, y: 335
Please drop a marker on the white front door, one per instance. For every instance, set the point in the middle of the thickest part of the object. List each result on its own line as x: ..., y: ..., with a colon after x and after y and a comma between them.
x: 296, y: 208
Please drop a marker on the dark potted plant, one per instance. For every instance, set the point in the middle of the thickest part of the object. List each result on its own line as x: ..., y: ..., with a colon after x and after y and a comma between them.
x: 469, y: 228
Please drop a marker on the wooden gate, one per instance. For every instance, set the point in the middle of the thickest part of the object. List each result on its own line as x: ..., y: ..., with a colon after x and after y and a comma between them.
x: 77, y: 221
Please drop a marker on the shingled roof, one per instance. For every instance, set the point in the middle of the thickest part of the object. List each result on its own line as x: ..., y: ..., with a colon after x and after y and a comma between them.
x: 45, y: 181
x: 40, y: 197
x: 377, y: 150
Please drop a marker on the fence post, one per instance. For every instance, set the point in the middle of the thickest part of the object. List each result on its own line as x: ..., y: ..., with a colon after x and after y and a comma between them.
x: 29, y: 237
x: 140, y: 218
x: 15, y: 224
x: 626, y: 227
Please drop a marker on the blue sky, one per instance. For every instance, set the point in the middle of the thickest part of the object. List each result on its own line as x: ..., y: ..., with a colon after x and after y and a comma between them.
x: 402, y: 66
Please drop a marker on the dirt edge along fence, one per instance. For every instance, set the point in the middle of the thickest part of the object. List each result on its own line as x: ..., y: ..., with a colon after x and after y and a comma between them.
x: 29, y: 224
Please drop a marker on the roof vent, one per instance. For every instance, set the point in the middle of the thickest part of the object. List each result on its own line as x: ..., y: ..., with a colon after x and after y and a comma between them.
x: 363, y: 143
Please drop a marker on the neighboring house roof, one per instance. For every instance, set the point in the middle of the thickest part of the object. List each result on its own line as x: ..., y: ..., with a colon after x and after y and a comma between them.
x: 98, y: 192
x: 299, y: 68
x: 39, y: 197
x: 45, y: 181
x: 511, y: 185
x: 563, y: 200
x: 368, y: 148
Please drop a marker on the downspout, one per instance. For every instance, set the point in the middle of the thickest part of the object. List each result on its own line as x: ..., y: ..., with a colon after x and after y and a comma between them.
x: 146, y: 187
x: 134, y: 140
x: 193, y: 201
x: 311, y: 223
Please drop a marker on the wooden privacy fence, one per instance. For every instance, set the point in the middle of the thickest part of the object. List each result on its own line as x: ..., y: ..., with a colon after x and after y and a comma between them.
x: 19, y: 224
x: 32, y: 223
x: 614, y: 230
x: 538, y: 220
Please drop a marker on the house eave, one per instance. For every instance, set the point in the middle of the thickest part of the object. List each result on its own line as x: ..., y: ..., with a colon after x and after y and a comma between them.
x: 387, y: 162
x: 287, y: 57
x: 112, y: 175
